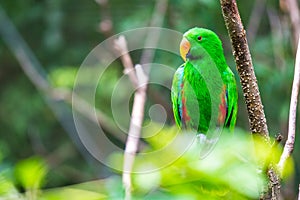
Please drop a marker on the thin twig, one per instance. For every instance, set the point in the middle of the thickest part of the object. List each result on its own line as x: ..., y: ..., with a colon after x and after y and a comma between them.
x: 120, y: 45
x: 139, y: 79
x: 137, y: 115
x: 289, y: 145
x: 136, y: 121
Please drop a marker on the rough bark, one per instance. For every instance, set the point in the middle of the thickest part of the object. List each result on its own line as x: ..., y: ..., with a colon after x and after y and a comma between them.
x: 245, y: 69
x: 241, y: 53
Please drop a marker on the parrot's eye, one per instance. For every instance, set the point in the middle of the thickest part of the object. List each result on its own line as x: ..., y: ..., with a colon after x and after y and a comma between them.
x: 199, y: 38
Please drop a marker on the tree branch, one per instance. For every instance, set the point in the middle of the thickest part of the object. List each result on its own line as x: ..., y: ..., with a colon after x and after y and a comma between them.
x: 139, y: 79
x: 157, y: 20
x: 255, y: 18
x: 137, y: 116
x: 248, y: 81
x: 87, y: 110
x: 136, y: 121
x: 245, y: 69
x: 292, y: 6
x: 37, y: 75
x: 106, y: 23
x: 120, y: 45
x: 277, y: 38
x: 289, y: 145
x: 28, y: 62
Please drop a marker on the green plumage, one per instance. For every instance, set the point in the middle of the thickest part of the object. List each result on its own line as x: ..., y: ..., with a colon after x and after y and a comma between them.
x: 204, y: 94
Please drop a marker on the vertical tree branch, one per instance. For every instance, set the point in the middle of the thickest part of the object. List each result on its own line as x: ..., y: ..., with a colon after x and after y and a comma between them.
x: 248, y: 81
x: 293, y: 9
x: 157, y: 20
x: 137, y: 116
x: 277, y: 38
x: 106, y: 23
x: 289, y: 145
x: 255, y: 18
x: 136, y: 121
x: 245, y: 69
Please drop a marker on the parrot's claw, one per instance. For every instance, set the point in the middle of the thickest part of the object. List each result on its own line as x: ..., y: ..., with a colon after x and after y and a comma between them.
x: 201, y: 138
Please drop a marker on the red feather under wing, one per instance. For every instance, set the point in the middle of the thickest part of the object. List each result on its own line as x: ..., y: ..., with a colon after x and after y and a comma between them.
x: 185, y: 116
x: 223, y: 107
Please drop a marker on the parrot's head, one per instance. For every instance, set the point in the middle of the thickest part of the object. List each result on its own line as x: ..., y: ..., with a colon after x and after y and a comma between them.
x: 197, y: 42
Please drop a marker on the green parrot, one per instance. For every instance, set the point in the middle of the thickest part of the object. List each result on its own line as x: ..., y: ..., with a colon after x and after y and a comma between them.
x: 204, y: 94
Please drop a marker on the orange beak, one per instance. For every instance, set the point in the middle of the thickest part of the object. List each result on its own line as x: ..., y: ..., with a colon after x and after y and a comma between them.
x: 184, y: 48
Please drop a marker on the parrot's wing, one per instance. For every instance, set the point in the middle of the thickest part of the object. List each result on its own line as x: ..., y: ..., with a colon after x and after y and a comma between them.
x: 175, y: 93
x: 227, y: 118
x: 232, y: 98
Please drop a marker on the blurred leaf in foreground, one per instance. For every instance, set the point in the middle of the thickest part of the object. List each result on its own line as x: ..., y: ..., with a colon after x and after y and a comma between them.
x: 7, y: 188
x: 30, y: 173
x: 233, y: 170
x: 92, y: 190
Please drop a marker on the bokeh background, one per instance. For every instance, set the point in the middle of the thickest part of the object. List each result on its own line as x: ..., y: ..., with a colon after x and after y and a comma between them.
x: 37, y: 127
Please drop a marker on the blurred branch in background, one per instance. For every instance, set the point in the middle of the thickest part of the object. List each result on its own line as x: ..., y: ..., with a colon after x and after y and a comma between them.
x: 289, y: 145
x: 277, y: 38
x: 157, y: 20
x: 106, y: 27
x: 255, y: 19
x: 106, y: 23
x: 87, y: 110
x: 53, y: 96
x: 293, y: 9
x: 139, y: 77
x: 24, y: 55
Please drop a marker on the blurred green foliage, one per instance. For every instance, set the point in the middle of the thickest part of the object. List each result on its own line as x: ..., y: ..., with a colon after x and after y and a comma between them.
x: 27, y: 175
x: 233, y: 170
x: 30, y: 173
x: 62, y: 33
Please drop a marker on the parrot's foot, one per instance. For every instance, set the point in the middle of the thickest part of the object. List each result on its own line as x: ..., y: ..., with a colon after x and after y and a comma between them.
x: 205, y: 144
x: 201, y: 138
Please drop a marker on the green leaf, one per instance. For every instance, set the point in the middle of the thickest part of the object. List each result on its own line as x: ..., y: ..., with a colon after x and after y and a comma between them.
x: 31, y: 173
x: 72, y: 193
